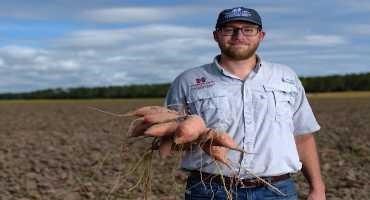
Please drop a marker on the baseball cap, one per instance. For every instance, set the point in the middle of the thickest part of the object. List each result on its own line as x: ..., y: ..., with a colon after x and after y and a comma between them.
x: 239, y: 14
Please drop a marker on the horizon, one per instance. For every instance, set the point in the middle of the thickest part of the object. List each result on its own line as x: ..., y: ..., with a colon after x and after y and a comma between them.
x: 155, y: 84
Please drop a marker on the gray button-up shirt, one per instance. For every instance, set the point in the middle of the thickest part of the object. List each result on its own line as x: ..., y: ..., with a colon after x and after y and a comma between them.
x: 262, y: 114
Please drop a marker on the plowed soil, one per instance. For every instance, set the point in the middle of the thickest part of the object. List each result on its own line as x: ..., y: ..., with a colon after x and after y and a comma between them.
x: 65, y: 150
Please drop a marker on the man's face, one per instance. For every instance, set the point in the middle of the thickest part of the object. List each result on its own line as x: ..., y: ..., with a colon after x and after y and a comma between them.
x: 238, y: 40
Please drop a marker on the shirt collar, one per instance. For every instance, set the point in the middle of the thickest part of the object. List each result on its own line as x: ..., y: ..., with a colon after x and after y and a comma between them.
x: 258, y: 64
x: 225, y: 72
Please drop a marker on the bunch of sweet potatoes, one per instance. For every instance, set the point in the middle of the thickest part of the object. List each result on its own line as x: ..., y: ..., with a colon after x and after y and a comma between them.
x: 178, y: 131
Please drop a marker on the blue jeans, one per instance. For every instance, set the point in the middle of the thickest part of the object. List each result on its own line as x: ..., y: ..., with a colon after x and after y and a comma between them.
x: 196, y: 190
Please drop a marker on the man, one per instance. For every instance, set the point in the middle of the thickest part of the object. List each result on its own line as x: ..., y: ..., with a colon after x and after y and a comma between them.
x: 261, y: 105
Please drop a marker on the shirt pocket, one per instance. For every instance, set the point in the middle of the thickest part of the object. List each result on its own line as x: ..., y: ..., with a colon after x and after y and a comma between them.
x: 212, y: 107
x: 260, y: 101
x: 284, y: 95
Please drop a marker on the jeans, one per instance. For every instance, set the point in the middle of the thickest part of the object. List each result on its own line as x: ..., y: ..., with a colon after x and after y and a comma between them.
x: 196, y: 190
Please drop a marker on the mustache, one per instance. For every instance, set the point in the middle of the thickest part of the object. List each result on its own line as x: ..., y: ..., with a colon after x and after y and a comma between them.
x: 238, y: 42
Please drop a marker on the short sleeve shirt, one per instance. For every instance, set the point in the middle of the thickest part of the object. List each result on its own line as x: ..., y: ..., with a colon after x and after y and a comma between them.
x: 262, y: 114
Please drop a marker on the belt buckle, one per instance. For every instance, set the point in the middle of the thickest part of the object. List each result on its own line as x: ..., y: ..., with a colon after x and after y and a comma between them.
x: 255, y: 182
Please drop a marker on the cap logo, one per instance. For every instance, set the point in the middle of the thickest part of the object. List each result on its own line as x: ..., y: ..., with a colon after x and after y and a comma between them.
x: 238, y: 12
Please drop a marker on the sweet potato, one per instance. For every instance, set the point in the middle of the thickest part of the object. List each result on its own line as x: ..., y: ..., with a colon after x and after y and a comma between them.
x: 160, y: 117
x: 165, y: 147
x: 189, y: 129
x: 138, y: 127
x: 217, y: 152
x: 221, y: 139
x: 217, y: 144
x: 161, y: 129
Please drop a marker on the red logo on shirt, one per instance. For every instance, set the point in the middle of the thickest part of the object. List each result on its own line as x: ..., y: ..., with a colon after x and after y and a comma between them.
x: 200, y: 80
x: 201, y: 83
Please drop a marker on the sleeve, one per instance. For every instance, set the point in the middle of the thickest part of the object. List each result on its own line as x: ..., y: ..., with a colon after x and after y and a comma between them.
x: 176, y: 96
x: 304, y: 120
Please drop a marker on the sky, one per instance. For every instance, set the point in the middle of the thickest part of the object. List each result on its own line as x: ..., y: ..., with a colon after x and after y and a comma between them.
x: 75, y: 43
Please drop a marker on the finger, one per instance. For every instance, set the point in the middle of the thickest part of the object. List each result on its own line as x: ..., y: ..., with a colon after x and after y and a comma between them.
x: 163, y: 129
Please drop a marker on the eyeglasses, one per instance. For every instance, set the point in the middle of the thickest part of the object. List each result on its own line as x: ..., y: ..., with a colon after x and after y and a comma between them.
x: 246, y: 31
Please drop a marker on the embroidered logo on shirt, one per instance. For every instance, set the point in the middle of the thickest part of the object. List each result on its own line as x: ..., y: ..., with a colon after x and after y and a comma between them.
x: 200, y: 80
x: 201, y: 83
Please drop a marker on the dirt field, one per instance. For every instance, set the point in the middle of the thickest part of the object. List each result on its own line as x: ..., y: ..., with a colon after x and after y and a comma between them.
x: 64, y: 150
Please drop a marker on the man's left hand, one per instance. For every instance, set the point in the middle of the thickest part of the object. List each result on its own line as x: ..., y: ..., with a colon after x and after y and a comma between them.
x: 316, y: 194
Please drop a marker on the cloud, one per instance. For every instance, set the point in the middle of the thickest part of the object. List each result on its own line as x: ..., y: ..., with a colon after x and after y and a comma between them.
x: 134, y: 15
x: 355, y: 5
x: 294, y: 38
x: 192, y: 12
x: 20, y: 52
x: 18, y: 58
x: 2, y: 62
x: 360, y: 29
x: 124, y: 15
x: 94, y: 38
x: 324, y: 40
x: 133, y: 35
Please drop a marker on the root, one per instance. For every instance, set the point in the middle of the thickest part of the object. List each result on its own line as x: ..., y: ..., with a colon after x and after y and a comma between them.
x: 228, y: 192
x: 107, y: 112
x: 144, y: 167
x: 262, y: 180
x: 116, y: 185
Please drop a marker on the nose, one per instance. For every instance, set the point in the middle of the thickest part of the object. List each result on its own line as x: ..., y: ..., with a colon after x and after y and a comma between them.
x: 237, y: 33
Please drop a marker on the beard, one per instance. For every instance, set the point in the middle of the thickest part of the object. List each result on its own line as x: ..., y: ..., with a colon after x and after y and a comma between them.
x: 237, y: 53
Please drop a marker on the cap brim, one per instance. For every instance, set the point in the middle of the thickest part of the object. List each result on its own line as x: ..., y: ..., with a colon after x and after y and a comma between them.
x: 240, y: 19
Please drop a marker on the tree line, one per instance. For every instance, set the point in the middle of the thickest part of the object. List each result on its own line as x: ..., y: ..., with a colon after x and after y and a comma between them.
x: 334, y: 83
x: 337, y: 83
x: 112, y: 92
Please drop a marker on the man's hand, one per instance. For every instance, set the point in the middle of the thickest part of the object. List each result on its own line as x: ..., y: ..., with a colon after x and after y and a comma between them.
x: 307, y: 151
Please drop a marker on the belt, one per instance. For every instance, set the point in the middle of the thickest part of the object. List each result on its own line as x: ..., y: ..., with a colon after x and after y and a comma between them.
x: 234, y: 181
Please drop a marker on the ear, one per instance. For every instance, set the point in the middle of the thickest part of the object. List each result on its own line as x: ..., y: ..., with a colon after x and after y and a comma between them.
x: 215, y: 36
x: 261, y: 35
